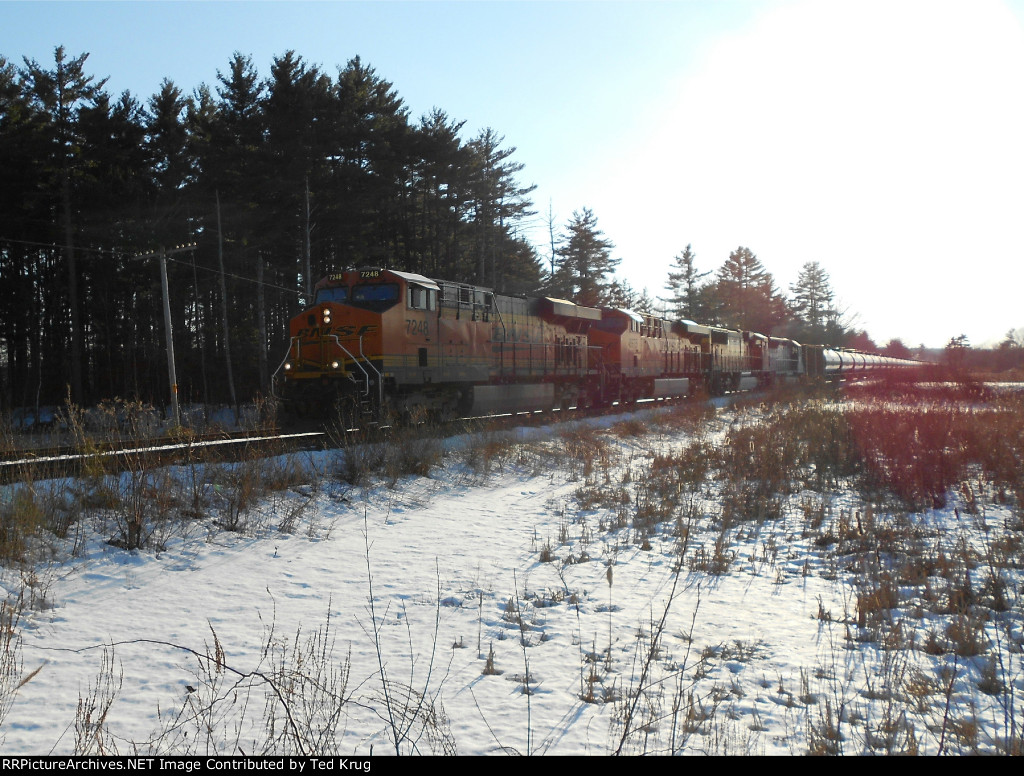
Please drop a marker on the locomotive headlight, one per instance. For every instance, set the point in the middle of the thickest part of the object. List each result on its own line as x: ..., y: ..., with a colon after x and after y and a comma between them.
x: 335, y: 365
x: 326, y: 312
x: 287, y: 366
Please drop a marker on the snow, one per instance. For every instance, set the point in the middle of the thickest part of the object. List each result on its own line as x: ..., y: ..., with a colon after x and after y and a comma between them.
x: 446, y: 570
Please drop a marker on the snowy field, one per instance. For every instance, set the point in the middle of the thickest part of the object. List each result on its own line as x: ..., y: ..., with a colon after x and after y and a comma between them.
x: 521, y: 598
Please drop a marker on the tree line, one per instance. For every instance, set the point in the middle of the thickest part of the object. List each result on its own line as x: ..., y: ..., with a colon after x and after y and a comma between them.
x: 742, y: 294
x: 276, y: 181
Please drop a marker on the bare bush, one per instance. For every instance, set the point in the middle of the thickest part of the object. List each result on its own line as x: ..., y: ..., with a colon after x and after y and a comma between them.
x: 10, y: 657
x: 92, y: 732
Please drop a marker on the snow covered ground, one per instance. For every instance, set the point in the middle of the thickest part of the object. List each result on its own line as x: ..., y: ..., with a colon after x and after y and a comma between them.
x: 505, y: 602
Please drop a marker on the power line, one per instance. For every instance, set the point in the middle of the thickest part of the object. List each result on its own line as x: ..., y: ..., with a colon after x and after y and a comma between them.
x: 78, y: 248
x: 239, y: 277
x: 122, y: 253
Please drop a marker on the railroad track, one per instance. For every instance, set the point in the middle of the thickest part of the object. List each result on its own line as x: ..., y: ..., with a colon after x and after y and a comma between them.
x: 111, y: 456
x: 107, y: 457
x: 53, y: 462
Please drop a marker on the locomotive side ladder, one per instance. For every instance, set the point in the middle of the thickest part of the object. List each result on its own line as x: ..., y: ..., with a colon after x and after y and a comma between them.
x: 370, y: 410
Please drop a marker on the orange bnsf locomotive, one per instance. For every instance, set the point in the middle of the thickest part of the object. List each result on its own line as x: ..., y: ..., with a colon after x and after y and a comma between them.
x: 380, y: 343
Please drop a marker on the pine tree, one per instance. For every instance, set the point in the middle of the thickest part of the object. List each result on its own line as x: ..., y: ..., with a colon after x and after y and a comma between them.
x: 370, y: 153
x: 621, y: 294
x: 25, y: 211
x: 167, y: 138
x: 745, y: 295
x: 440, y: 196
x: 585, y: 261
x: 956, y: 351
x: 644, y: 303
x: 1010, y: 353
x: 686, y: 297
x: 498, y: 202
x: 860, y: 340
x: 896, y: 349
x: 295, y: 111
x: 520, y: 270
x: 60, y: 94
x: 114, y: 192
x: 240, y: 130
x: 812, y: 304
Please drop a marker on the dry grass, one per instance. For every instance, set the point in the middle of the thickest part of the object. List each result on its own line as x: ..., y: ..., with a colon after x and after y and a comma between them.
x: 923, y: 595
x: 929, y: 610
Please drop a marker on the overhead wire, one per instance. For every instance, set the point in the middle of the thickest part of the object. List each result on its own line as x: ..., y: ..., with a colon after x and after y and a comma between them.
x: 56, y: 246
x: 238, y: 277
x: 118, y: 252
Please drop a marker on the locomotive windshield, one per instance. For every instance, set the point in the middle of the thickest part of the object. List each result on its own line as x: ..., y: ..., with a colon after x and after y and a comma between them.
x: 338, y: 294
x: 376, y: 297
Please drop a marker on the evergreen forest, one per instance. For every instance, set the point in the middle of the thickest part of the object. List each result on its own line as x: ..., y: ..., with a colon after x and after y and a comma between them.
x: 275, y: 180
x: 272, y: 182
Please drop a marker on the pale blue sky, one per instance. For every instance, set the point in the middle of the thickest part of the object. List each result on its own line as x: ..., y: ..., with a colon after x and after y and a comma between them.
x: 882, y: 139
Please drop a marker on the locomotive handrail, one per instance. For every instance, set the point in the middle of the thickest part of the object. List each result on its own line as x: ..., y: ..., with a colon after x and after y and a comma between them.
x: 297, y: 341
x: 280, y: 366
x: 355, y: 360
x: 504, y: 339
x: 380, y: 377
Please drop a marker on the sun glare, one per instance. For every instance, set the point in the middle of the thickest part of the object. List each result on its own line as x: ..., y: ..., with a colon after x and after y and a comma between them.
x: 874, y: 137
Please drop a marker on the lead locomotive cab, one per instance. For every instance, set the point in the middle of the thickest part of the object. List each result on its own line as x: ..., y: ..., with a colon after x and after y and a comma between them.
x: 366, y: 327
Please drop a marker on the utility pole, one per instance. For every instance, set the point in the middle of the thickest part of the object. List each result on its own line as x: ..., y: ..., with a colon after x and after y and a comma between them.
x: 162, y: 254
x: 307, y: 271
x: 224, y: 312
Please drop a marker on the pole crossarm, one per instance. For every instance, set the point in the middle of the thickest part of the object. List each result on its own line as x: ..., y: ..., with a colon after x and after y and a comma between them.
x: 165, y: 251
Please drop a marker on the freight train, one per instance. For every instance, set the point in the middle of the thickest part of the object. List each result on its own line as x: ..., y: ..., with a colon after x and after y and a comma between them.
x: 381, y: 344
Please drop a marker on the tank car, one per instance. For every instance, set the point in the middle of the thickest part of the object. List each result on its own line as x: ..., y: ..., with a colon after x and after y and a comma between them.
x: 834, y: 364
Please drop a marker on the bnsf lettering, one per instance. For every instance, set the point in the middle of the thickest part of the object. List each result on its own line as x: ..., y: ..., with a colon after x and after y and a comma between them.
x: 341, y: 332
